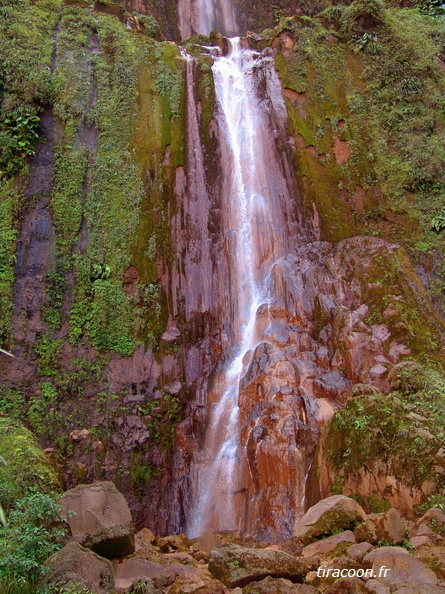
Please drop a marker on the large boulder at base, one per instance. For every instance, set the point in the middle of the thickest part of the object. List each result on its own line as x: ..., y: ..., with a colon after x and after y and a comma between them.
x: 272, y: 585
x: 101, y: 520
x: 401, y: 567
x: 237, y: 566
x: 328, y: 516
x: 76, y: 565
x: 385, y: 527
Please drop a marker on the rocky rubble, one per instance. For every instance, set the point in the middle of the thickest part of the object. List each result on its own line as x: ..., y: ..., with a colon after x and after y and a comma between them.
x: 336, y: 549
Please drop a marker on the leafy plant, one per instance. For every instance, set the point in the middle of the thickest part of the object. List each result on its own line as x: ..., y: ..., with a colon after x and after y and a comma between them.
x: 35, y: 530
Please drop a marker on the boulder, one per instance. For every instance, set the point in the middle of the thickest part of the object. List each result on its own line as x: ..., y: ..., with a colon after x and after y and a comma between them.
x: 358, y: 551
x: 385, y: 527
x: 327, y: 516
x: 128, y: 570
x: 208, y: 541
x: 326, y: 545
x: 138, y: 587
x: 101, y: 519
x: 394, y: 567
x: 237, y: 566
x: 272, y: 585
x: 81, y: 567
x: 434, y: 518
x: 375, y: 587
x: 347, y: 585
x: 420, y: 589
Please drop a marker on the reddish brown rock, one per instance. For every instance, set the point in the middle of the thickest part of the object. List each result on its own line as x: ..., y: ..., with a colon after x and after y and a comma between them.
x: 326, y: 516
x: 327, y: 545
x: 358, y: 551
x: 101, y: 520
x: 347, y: 585
x: 385, y: 527
x: 128, y: 570
x: 237, y: 566
x: 401, y: 568
x: 272, y: 585
x: 81, y: 567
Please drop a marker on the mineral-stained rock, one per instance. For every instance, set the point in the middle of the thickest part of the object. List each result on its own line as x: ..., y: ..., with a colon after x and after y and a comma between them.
x: 385, y: 527
x: 237, y: 566
x: 401, y: 568
x: 328, y: 515
x: 326, y: 545
x: 76, y: 565
x: 101, y: 520
x: 272, y: 585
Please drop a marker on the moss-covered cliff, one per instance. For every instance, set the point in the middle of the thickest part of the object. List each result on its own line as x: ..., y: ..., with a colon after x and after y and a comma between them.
x: 93, y: 150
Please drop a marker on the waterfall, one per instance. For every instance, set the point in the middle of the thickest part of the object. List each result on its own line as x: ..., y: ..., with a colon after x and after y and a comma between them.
x: 257, y: 223
x: 203, y: 16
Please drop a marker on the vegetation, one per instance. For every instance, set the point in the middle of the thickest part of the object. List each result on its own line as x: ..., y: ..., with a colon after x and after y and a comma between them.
x: 392, y: 430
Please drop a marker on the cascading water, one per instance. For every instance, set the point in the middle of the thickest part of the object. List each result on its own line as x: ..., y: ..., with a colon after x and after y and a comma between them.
x: 257, y: 225
x: 203, y: 16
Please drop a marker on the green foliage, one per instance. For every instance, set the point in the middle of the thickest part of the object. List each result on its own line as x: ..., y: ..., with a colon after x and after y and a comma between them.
x: 161, y: 417
x: 34, y: 532
x: 18, y: 136
x: 9, y: 207
x: 378, y: 427
x: 435, y: 500
x: 25, y: 78
x: 438, y: 222
x: 26, y: 468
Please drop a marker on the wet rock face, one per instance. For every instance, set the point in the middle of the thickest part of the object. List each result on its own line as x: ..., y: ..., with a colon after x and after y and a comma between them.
x: 332, y: 322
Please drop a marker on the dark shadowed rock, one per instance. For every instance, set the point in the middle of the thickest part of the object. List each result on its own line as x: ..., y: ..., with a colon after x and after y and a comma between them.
x: 237, y: 566
x: 76, y: 565
x: 102, y: 519
x: 272, y: 585
x: 385, y: 527
x: 328, y: 515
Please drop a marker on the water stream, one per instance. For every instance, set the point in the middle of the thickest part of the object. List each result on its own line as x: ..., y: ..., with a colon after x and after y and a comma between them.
x: 256, y: 223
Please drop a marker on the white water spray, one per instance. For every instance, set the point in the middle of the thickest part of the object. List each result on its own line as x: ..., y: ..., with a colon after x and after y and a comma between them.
x: 254, y: 191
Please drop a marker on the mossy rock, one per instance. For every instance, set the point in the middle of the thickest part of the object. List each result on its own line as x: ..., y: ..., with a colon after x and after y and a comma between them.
x: 23, y: 465
x: 327, y: 517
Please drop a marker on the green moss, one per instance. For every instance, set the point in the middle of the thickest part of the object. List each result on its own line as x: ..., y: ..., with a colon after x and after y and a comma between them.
x: 23, y: 465
x: 373, y: 428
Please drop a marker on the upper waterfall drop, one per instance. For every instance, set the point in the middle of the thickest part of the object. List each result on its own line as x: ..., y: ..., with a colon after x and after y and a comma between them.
x: 203, y: 16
